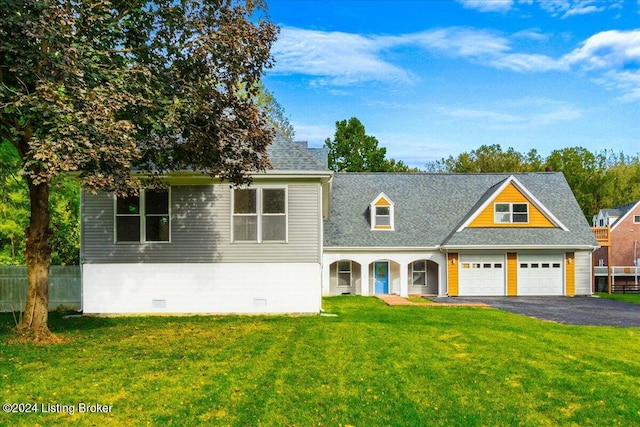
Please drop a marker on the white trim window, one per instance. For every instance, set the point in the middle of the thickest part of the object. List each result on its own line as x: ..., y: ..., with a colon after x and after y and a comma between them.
x: 382, y: 215
x: 344, y: 274
x: 419, y: 273
x: 259, y: 214
x: 144, y: 218
x: 636, y: 219
x: 510, y: 213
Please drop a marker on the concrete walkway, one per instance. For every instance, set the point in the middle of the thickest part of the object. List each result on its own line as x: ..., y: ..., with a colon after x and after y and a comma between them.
x: 393, y: 300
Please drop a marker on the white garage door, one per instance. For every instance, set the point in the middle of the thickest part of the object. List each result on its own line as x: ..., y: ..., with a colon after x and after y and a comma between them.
x: 482, y: 275
x: 540, y: 274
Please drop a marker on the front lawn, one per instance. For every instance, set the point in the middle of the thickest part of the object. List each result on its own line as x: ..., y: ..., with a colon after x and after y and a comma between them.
x: 372, y: 365
x: 634, y: 298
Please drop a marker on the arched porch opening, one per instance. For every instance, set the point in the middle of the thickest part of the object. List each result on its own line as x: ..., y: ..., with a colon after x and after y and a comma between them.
x: 384, y: 277
x: 423, y: 277
x: 345, y: 277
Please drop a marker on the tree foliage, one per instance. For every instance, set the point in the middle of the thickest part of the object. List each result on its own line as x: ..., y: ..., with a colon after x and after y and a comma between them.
x: 487, y: 159
x: 101, y: 88
x: 598, y: 180
x: 14, y: 214
x: 352, y: 150
x: 275, y: 113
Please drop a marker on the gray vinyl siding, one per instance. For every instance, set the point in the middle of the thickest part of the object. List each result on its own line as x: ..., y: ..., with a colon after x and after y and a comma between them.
x: 201, y: 230
x: 583, y: 273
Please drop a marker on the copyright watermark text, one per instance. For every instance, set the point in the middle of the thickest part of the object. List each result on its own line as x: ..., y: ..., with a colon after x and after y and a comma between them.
x: 52, y: 408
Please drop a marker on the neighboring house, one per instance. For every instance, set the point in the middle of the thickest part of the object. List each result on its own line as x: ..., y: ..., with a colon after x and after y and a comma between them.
x: 204, y: 247
x: 620, y: 229
x: 300, y: 231
x: 456, y: 235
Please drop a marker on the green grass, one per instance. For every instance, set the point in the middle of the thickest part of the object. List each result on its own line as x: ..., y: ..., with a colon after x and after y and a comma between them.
x: 372, y: 365
x: 634, y: 298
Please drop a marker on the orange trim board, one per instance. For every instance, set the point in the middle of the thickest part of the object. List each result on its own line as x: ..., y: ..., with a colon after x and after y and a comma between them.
x: 383, y: 202
x: 511, y: 194
x: 452, y: 274
x: 512, y: 274
x: 570, y: 272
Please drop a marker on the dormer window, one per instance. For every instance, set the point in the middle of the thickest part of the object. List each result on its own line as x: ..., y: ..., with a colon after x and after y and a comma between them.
x: 509, y: 213
x: 382, y: 213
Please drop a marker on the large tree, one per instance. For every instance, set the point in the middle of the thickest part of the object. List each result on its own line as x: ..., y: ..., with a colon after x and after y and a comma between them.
x: 352, y: 150
x: 102, y: 88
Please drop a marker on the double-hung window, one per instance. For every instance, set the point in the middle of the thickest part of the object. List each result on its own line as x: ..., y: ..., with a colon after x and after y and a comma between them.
x: 381, y: 209
x: 509, y: 213
x: 382, y: 216
x: 260, y: 214
x: 143, y: 218
x: 344, y: 273
x: 419, y: 273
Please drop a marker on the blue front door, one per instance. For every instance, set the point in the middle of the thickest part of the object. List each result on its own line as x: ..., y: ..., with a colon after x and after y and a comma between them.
x: 381, y: 277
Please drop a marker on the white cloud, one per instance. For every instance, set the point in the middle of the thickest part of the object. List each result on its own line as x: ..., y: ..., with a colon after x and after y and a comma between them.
x: 518, y: 114
x: 464, y: 42
x: 626, y: 82
x: 608, y: 49
x: 488, y: 6
x: 314, y: 135
x: 532, y: 34
x: 337, y: 58
x: 583, y: 10
x: 523, y: 62
x: 569, y: 8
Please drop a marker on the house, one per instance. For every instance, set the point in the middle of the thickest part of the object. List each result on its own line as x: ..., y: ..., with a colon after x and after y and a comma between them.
x: 618, y: 260
x: 456, y: 235
x: 300, y: 232
x: 204, y: 247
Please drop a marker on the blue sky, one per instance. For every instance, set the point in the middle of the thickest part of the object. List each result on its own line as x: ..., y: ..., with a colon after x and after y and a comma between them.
x: 430, y: 79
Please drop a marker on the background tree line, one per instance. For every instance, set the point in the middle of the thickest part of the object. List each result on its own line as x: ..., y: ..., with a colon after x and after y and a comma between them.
x: 599, y: 180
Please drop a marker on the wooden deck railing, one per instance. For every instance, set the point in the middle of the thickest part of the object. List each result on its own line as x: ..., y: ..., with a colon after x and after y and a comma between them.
x: 602, y: 235
x: 628, y: 271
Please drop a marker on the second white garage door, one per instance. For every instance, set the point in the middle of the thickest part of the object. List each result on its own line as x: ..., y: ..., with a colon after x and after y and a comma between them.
x: 482, y: 275
x: 540, y: 274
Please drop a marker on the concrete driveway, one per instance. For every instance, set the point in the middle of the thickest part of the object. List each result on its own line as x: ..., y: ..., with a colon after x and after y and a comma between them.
x: 572, y: 311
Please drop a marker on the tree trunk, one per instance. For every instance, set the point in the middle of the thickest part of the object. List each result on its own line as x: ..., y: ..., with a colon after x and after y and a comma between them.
x: 38, y: 257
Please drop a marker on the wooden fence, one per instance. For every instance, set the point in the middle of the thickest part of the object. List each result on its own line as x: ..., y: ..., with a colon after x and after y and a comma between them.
x: 65, y: 288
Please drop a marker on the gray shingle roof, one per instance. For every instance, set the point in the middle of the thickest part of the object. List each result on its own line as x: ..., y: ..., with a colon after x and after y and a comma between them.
x: 619, y: 211
x: 286, y: 155
x: 429, y: 208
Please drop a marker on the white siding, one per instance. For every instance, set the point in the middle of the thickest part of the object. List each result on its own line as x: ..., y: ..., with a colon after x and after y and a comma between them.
x: 583, y: 273
x: 200, y: 230
x: 202, y: 288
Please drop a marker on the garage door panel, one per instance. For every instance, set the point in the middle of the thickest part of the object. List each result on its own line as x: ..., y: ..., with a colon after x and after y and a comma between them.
x: 482, y: 275
x: 540, y: 274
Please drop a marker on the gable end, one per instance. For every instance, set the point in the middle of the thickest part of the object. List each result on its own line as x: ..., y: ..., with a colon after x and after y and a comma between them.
x: 512, y: 196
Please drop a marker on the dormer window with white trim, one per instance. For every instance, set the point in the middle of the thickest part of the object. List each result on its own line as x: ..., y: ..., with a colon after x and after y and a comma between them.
x: 382, y: 217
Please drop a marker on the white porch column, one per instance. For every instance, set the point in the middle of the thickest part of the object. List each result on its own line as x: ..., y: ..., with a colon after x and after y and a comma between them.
x: 364, y: 279
x: 404, y: 279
